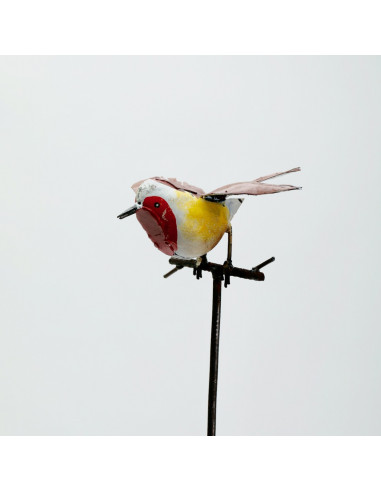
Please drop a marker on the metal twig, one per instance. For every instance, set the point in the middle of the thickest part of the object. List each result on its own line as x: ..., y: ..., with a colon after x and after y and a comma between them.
x: 174, y: 270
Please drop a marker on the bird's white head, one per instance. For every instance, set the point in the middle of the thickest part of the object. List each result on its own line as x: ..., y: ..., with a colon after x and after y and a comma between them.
x: 151, y: 188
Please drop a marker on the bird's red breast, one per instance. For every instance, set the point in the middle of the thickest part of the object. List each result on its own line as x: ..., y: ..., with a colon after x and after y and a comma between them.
x: 159, y: 222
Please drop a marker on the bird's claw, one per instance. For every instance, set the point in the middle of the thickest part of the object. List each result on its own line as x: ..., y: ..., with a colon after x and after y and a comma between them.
x: 228, y: 265
x: 197, y: 271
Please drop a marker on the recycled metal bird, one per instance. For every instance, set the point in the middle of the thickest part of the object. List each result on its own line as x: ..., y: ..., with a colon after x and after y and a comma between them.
x: 183, y: 220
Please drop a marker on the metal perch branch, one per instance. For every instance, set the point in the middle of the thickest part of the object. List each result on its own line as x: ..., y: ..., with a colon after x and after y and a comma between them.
x: 219, y: 273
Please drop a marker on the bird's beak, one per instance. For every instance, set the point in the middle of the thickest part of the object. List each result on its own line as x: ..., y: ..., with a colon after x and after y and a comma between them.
x: 130, y: 211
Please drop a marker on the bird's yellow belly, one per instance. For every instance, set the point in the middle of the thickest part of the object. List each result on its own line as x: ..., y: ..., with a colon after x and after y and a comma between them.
x: 201, y: 224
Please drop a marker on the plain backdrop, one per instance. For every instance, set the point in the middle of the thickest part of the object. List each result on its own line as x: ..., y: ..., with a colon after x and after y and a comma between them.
x: 93, y: 340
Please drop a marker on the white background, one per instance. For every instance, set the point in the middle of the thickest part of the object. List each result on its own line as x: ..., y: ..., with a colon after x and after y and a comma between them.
x: 94, y: 340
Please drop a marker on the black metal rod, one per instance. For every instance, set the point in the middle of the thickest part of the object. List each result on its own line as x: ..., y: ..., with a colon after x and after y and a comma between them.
x: 230, y: 243
x: 267, y: 262
x: 174, y: 270
x: 214, y: 347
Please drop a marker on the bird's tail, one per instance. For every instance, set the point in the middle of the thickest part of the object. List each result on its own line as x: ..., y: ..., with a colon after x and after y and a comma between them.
x: 233, y: 205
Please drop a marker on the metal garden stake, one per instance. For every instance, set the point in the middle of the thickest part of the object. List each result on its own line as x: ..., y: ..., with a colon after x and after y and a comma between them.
x: 186, y: 223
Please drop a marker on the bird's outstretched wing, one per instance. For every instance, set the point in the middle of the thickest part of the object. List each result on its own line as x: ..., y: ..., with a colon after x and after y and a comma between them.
x: 173, y: 183
x: 255, y: 187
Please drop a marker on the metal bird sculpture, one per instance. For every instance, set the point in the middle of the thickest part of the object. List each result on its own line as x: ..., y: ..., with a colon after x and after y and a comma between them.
x: 182, y: 220
x: 185, y: 223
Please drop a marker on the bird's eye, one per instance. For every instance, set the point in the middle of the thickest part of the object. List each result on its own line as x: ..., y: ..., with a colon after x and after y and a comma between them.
x: 157, y: 204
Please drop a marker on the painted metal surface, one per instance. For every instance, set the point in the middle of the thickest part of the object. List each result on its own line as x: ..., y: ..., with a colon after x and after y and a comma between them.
x: 255, y: 187
x: 188, y: 221
x: 173, y: 183
x: 159, y: 222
